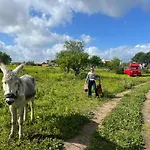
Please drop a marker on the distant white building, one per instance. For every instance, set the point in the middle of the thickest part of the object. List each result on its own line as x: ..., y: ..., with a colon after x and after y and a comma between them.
x: 106, y: 60
x: 38, y: 63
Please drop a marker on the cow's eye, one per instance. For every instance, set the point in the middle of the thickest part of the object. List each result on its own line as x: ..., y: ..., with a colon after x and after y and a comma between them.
x: 5, y: 82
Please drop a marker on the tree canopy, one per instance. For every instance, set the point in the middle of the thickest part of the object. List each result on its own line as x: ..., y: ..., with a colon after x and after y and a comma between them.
x: 6, y: 59
x: 139, y: 57
x: 115, y: 65
x: 72, y: 57
x: 142, y: 58
x: 95, y: 61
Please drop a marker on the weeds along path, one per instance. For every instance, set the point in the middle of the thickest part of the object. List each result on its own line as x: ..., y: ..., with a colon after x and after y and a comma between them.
x: 146, y: 125
x: 82, y: 141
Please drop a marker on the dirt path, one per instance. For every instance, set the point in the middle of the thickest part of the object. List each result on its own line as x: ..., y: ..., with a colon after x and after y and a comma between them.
x: 146, y: 125
x: 82, y: 141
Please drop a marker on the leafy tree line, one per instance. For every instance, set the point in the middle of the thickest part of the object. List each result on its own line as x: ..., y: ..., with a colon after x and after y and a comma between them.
x: 5, y: 58
x: 142, y: 58
x: 74, y: 57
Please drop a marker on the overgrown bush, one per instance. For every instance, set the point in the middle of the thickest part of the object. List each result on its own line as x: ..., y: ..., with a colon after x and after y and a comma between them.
x: 145, y: 70
x: 119, y: 70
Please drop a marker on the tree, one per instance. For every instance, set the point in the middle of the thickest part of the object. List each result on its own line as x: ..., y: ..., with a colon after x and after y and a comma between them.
x: 63, y: 60
x: 5, y: 58
x: 79, y: 62
x: 30, y: 63
x: 140, y: 58
x: 73, y: 57
x: 95, y: 61
x: 108, y: 65
x: 147, y: 59
x: 115, y: 63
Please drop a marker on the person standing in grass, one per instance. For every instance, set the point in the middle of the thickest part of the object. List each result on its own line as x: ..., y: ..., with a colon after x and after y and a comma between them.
x: 90, y: 78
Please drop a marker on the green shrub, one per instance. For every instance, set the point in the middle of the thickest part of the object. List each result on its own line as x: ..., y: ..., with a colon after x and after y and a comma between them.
x: 119, y: 70
x: 145, y: 70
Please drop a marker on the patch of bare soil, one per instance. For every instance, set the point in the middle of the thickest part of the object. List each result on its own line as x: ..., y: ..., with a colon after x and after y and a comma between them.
x: 146, y: 119
x: 82, y: 141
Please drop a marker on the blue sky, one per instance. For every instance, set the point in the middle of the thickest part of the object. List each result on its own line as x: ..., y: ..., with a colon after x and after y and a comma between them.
x: 36, y: 30
x: 131, y: 29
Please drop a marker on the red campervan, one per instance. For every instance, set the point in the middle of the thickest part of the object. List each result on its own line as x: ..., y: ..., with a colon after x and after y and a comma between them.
x: 133, y: 69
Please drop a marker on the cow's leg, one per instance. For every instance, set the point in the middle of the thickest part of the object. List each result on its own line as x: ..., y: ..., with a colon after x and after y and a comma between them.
x: 20, y: 121
x: 13, y: 121
x: 25, y: 112
x: 32, y: 109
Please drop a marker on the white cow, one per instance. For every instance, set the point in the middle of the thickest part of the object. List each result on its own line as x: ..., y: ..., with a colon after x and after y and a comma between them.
x: 18, y: 91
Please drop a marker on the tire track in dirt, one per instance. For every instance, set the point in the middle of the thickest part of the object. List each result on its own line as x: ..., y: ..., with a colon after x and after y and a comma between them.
x: 82, y: 140
x: 146, y: 122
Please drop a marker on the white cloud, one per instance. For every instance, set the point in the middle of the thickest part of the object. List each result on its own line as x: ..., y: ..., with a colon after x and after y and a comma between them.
x: 86, y: 38
x: 93, y: 51
x: 40, y: 38
x: 25, y: 14
x: 114, y: 8
x: 125, y: 53
x: 50, y: 53
x: 2, y: 45
x: 13, y: 15
x: 54, y: 12
x: 31, y: 22
x: 19, y: 53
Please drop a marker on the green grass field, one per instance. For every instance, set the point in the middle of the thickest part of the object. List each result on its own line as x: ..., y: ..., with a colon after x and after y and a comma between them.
x: 123, y: 127
x: 61, y: 106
